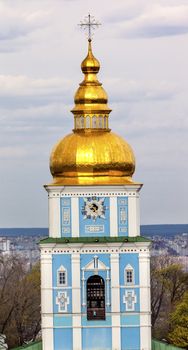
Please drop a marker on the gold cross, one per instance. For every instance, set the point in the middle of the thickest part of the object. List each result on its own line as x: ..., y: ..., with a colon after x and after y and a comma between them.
x: 89, y: 23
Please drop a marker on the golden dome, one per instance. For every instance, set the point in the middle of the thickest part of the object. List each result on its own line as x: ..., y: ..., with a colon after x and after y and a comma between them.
x: 90, y: 96
x: 92, y: 158
x: 92, y: 154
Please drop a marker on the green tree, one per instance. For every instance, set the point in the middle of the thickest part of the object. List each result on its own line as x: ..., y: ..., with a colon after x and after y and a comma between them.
x: 19, y: 300
x: 178, y: 334
x: 168, y: 284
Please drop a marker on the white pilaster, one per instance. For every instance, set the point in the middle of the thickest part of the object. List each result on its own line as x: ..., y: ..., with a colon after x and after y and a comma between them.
x: 47, y: 301
x: 75, y: 217
x: 133, y: 216
x: 145, y: 301
x: 76, y: 303
x: 54, y: 216
x: 113, y: 217
x: 115, y: 302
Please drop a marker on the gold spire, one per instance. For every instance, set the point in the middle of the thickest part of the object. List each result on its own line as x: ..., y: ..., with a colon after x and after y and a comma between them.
x: 92, y: 154
x: 91, y: 110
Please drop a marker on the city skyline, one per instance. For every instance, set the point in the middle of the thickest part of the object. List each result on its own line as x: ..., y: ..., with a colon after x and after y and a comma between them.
x: 143, y: 54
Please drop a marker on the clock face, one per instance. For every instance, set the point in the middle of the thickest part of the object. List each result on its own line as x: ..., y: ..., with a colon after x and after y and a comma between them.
x: 93, y: 208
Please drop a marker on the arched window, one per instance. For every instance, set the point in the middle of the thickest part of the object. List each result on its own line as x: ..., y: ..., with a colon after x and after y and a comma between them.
x: 77, y: 122
x: 105, y: 122
x: 88, y: 122
x: 129, y: 275
x: 95, y: 298
x: 81, y: 122
x: 101, y: 122
x: 61, y: 276
x: 94, y: 122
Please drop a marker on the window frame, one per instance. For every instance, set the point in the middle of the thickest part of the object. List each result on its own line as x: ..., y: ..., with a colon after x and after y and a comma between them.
x: 59, y: 271
x: 129, y: 269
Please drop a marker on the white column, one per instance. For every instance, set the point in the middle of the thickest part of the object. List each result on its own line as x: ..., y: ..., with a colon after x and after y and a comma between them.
x: 133, y: 216
x: 75, y: 217
x: 54, y: 216
x: 138, y: 214
x: 113, y: 217
x: 145, y: 301
x: 46, y: 301
x: 76, y: 303
x: 115, y: 302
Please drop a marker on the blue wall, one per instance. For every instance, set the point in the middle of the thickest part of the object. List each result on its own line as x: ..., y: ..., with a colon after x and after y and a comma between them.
x: 63, y: 339
x: 100, y: 227
x: 97, y: 339
x: 130, y: 338
x: 57, y: 261
x: 133, y: 260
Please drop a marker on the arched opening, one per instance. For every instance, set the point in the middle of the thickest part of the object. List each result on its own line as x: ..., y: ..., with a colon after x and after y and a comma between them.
x: 95, y: 298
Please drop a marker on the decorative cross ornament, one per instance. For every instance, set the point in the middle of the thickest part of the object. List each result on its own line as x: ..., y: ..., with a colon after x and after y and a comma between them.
x: 62, y: 300
x: 129, y: 299
x: 89, y: 23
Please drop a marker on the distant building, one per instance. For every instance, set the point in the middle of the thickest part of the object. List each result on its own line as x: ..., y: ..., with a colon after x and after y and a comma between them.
x: 4, y: 245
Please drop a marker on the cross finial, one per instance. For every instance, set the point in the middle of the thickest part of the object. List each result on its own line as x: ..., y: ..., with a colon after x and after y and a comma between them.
x: 90, y: 24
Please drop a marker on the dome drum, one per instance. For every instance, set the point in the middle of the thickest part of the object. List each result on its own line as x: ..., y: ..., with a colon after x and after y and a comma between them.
x: 95, y: 121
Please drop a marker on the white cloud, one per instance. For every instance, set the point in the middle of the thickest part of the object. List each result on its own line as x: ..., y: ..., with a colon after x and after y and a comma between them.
x: 23, y: 92
x: 15, y: 23
x: 155, y: 21
x: 132, y: 90
x: 12, y: 152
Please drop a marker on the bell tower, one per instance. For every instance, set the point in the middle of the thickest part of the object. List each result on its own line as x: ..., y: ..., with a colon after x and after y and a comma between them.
x: 95, y: 266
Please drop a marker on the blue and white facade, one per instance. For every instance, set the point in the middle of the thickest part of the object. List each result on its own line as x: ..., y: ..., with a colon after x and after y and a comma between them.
x: 95, y: 231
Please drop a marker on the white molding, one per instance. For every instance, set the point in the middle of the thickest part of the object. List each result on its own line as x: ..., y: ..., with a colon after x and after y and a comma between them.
x: 133, y: 215
x: 113, y: 217
x: 80, y: 191
x: 145, y: 300
x: 54, y: 217
x: 131, y: 269
x: 91, y: 266
x: 46, y: 301
x: 47, y: 339
x: 115, y: 302
x: 76, y: 302
x: 65, y: 296
x: 83, y: 248
x: 75, y: 217
x: 62, y: 269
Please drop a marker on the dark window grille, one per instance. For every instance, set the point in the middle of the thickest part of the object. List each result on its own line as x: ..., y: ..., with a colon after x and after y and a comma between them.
x: 62, y: 278
x: 129, y: 276
x: 96, y: 298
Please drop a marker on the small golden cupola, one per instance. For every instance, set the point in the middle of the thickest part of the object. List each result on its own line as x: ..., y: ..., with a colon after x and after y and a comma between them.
x: 91, y: 154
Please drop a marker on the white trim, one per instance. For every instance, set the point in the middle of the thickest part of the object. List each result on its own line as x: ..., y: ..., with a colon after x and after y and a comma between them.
x: 76, y: 302
x: 92, y: 267
x: 115, y: 302
x: 134, y: 300
x: 129, y: 268
x: 64, y: 295
x: 75, y: 217
x: 87, y: 248
x: 47, y: 339
x: 145, y: 301
x: 121, y: 190
x: 62, y: 269
x: 113, y: 217
x: 133, y: 216
x: 54, y: 217
x: 46, y: 300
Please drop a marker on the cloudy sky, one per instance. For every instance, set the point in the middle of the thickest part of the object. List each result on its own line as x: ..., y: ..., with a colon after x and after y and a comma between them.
x: 143, y: 50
